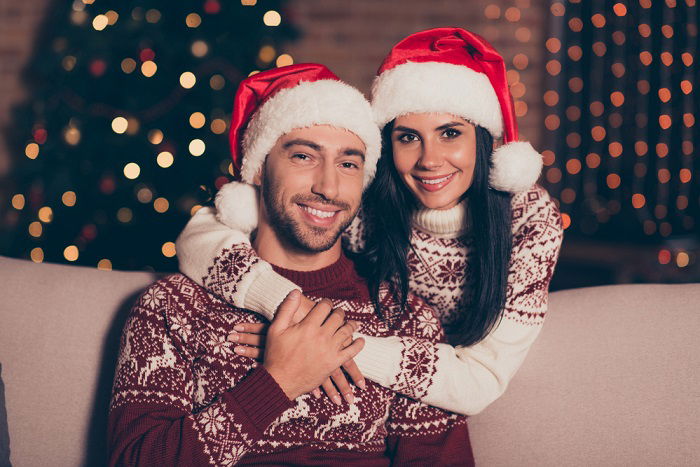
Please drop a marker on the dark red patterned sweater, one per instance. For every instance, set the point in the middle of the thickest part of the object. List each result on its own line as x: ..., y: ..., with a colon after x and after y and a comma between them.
x: 182, y: 397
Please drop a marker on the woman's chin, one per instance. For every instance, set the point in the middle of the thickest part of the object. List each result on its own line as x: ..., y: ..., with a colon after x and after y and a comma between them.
x: 439, y: 203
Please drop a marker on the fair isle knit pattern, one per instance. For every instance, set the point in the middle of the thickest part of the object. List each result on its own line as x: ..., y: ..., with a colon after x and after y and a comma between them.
x: 176, y: 362
x: 460, y: 379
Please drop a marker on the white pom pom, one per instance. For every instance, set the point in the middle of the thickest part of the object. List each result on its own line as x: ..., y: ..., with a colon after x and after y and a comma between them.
x: 515, y: 167
x: 237, y: 206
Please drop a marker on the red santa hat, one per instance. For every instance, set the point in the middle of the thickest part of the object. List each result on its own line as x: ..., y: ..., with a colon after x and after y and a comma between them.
x: 456, y: 71
x: 274, y: 102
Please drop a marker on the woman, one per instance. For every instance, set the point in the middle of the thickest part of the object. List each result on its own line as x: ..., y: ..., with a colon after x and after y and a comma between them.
x: 450, y: 219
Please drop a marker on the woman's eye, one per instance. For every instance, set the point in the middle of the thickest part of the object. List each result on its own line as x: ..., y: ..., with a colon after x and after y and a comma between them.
x: 451, y: 133
x: 408, y: 138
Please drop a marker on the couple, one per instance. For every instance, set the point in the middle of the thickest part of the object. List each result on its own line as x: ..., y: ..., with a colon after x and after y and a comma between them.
x: 452, y: 235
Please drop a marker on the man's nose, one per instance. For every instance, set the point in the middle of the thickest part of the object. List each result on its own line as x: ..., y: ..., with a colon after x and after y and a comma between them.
x: 326, y: 182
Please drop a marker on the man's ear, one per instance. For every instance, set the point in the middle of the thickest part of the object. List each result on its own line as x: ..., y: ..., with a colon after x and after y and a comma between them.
x: 257, y: 179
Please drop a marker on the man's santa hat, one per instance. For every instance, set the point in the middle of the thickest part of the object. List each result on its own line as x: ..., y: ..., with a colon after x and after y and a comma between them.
x: 455, y: 71
x: 274, y: 102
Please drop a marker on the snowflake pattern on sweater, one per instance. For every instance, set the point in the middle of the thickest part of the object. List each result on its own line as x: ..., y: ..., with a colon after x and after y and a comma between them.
x: 176, y: 362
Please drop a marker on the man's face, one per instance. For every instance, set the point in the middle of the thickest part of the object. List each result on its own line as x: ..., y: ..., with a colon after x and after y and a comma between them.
x: 311, y: 186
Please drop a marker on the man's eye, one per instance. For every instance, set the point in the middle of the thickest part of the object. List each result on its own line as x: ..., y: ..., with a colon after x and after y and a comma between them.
x: 349, y: 165
x: 451, y: 133
x: 300, y: 156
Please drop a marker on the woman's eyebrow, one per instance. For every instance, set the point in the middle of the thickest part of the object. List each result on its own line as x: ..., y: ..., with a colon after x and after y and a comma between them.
x: 404, y: 128
x: 449, y: 125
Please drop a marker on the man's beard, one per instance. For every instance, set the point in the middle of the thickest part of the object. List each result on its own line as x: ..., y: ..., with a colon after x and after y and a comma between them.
x: 303, y: 238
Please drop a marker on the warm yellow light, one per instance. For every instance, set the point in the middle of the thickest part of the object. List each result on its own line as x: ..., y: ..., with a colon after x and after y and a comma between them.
x: 69, y: 198
x: 45, y: 214
x: 104, y: 265
x: 112, y: 17
x: 132, y: 170
x: 71, y: 253
x: 187, y: 80
x: 124, y: 215
x: 119, y: 125
x: 18, y: 202
x: 31, y: 150
x: 565, y: 221
x: 165, y: 159
x: 161, y: 205
x: 155, y: 136
x: 682, y: 259
x: 37, y: 255
x: 217, y: 82
x: 197, y: 120
x: 193, y: 20
x: 254, y: 72
x: 35, y: 229
x: 512, y: 14
x: 100, y: 22
x: 194, y: 209
x: 68, y: 62
x: 149, y: 68
x: 153, y: 16
x: 197, y: 147
x: 132, y: 126
x: 168, y: 249
x: 267, y: 53
x: 272, y: 18
x: 249, y: 2
x: 638, y: 200
x: 218, y: 126
x: 199, y: 48
x: 492, y: 11
x: 128, y: 65
x: 144, y: 195
x: 284, y: 60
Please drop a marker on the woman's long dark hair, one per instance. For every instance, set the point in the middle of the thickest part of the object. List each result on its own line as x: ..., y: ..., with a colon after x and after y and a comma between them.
x: 389, y: 207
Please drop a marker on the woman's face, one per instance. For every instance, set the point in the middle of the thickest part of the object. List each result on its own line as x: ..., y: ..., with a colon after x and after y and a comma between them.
x: 435, y: 154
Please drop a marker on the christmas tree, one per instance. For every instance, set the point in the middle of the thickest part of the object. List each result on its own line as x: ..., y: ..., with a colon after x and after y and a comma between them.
x: 124, y: 135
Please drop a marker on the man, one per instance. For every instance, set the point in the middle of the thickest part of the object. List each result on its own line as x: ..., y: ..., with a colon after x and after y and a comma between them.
x: 182, y: 396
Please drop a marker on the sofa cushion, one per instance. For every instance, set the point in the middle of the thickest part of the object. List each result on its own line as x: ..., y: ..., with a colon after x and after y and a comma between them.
x: 4, y: 431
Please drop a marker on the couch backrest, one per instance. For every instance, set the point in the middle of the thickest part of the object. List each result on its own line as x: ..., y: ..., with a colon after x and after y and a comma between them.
x: 59, y: 338
x: 612, y: 380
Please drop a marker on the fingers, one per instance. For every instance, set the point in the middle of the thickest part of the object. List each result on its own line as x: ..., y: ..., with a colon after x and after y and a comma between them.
x: 253, y: 328
x: 343, y: 336
x: 355, y: 374
x: 353, y: 349
x: 256, y: 340
x: 251, y: 352
x: 334, y: 321
x: 285, y: 312
x: 331, y: 391
x: 343, y: 386
x: 318, y: 313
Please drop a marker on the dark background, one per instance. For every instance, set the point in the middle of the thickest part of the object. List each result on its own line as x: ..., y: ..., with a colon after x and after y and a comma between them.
x: 604, y: 88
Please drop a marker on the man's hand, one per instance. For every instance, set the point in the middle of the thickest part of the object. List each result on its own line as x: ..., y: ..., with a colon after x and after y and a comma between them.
x: 301, y: 356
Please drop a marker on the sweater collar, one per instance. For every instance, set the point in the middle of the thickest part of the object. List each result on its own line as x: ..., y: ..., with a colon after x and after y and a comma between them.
x: 341, y: 270
x: 446, y: 223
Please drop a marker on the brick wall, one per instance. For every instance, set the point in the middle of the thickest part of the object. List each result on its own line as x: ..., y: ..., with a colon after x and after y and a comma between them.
x: 351, y: 37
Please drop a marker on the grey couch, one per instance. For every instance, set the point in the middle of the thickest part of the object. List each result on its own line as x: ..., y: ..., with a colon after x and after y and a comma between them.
x: 614, y: 378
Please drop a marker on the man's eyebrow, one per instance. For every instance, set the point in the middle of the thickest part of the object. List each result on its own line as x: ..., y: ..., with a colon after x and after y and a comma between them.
x: 353, y: 152
x: 301, y: 142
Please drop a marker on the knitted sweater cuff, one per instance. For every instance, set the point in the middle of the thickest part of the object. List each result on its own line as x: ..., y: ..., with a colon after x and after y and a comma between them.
x: 266, y: 292
x: 260, y: 397
x: 380, y: 359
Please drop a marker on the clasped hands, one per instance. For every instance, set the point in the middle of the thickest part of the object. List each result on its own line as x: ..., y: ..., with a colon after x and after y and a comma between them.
x: 307, y: 344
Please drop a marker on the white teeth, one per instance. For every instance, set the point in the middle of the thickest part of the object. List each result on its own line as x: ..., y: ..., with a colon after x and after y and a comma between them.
x: 436, y: 181
x: 317, y: 213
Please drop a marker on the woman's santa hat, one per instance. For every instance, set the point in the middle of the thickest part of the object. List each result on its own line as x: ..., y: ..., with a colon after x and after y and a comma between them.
x: 274, y: 102
x: 455, y: 71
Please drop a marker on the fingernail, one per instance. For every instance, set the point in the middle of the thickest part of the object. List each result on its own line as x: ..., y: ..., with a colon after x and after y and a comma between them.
x: 239, y: 350
x: 316, y: 393
x: 337, y: 400
x: 349, y: 397
x: 362, y: 384
x: 233, y: 337
x: 239, y: 328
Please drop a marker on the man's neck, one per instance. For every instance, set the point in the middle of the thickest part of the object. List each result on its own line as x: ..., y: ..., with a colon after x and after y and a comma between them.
x: 270, y: 248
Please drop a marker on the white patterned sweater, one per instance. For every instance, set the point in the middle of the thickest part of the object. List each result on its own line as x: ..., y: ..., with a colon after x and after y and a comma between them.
x: 466, y: 378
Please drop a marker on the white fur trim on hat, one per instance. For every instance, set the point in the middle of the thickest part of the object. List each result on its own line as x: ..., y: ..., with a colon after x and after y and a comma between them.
x: 237, y: 206
x: 323, y: 102
x: 436, y: 87
x: 515, y: 167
